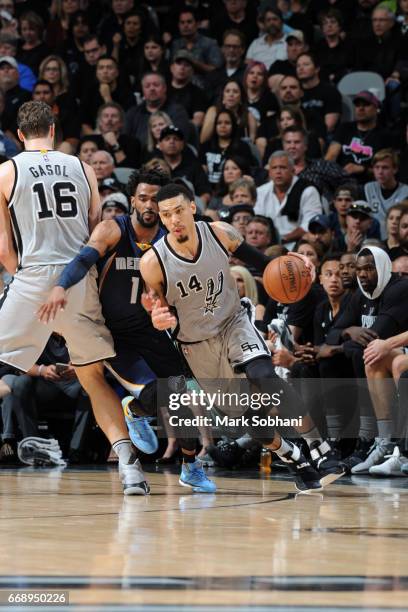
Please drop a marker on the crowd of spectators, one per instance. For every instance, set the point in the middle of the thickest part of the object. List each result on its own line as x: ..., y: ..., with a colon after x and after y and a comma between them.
x: 240, y: 99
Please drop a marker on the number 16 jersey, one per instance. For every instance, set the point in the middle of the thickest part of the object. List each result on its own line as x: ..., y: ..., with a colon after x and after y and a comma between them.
x: 49, y: 207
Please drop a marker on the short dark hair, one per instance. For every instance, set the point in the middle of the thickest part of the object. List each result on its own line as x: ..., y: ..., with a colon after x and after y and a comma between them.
x: 188, y: 9
x: 234, y: 32
x: 44, y: 82
x: 296, y: 129
x: 150, y: 177
x: 34, y: 119
x: 313, y: 57
x: 90, y: 37
x: 172, y: 190
x: 331, y: 257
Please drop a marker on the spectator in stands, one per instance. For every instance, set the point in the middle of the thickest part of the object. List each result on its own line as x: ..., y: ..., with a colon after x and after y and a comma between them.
x: 392, y: 222
x: 386, y: 190
x: 114, y: 22
x: 8, y: 146
x: 157, y: 122
x: 269, y: 141
x: 333, y: 52
x: 103, y: 164
x: 153, y: 60
x: 8, y: 47
x: 57, y: 28
x: 382, y: 49
x: 259, y: 233
x: 236, y: 15
x: 234, y: 167
x: 32, y: 49
x: 295, y: 45
x: 110, y: 122
x: 247, y: 288
x: 183, y: 91
x: 72, y: 49
x: 93, y: 50
x: 128, y: 44
x: 262, y: 103
x: 205, y: 51
x: 233, y: 50
x: 86, y: 148
x: 239, y: 215
x: 232, y: 98
x: 9, y: 24
x: 155, y: 99
x: 400, y: 265
x: 355, y: 143
x: 109, y: 186
x: 271, y: 45
x: 223, y: 144
x: 359, y: 222
x: 317, y: 94
x: 15, y: 96
x: 343, y: 198
x: 114, y: 205
x: 289, y: 201
x: 67, y: 124
x: 402, y: 249
x: 107, y: 88
x: 320, y: 232
x: 312, y: 250
x: 183, y: 162
x: 243, y: 191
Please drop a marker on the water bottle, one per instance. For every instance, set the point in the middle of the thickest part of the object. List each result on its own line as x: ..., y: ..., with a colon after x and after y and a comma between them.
x: 266, y: 461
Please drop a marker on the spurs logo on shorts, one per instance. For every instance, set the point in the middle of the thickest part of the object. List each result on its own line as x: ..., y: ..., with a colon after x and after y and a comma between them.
x: 213, y: 293
x: 249, y: 347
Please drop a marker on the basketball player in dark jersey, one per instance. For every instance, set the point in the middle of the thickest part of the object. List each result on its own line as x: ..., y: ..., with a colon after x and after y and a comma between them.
x: 188, y: 270
x: 142, y: 352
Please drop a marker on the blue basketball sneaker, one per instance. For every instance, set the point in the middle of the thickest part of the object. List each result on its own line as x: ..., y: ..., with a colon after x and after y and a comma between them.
x: 140, y: 432
x: 193, y: 476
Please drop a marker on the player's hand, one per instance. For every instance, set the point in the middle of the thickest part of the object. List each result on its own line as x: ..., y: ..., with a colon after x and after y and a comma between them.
x: 309, y: 265
x: 148, y: 300
x: 161, y: 317
x: 69, y: 373
x: 283, y: 358
x: 50, y: 373
x: 375, y: 351
x: 361, y: 335
x: 56, y: 302
x: 325, y: 351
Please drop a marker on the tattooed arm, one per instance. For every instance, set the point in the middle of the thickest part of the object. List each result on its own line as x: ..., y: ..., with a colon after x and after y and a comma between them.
x: 229, y: 237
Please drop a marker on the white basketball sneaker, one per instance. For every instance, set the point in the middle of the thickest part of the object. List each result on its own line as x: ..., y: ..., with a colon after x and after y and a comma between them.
x: 391, y: 466
x: 378, y: 451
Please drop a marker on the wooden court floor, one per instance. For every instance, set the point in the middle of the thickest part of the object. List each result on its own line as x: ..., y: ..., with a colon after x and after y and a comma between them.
x: 255, y: 545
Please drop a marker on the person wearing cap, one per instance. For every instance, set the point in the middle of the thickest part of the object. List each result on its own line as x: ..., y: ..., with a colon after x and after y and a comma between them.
x: 205, y: 52
x: 108, y: 186
x: 15, y: 95
x: 320, y: 232
x: 183, y: 162
x: 295, y: 46
x: 355, y: 143
x: 271, y: 46
x: 114, y: 205
x: 359, y: 221
x: 317, y: 94
x: 182, y: 89
x: 386, y: 190
x: 8, y: 47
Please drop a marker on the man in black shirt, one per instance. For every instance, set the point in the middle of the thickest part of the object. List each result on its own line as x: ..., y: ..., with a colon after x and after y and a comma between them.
x: 355, y: 143
x: 295, y: 43
x: 320, y: 96
x: 15, y: 95
x: 233, y: 50
x: 124, y: 149
x: 234, y: 15
x: 183, y: 91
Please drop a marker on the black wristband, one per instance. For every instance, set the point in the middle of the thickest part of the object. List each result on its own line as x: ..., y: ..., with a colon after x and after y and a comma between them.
x: 250, y: 255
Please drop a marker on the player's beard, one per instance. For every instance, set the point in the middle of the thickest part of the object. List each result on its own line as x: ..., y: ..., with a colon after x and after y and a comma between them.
x: 182, y: 239
x: 144, y: 223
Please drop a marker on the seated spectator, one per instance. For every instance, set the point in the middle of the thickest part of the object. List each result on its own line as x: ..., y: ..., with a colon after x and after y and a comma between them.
x: 400, y: 265
x: 234, y: 168
x: 155, y: 99
x: 110, y: 122
x: 271, y: 45
x: 86, y: 148
x: 72, y: 49
x: 156, y: 123
x: 312, y: 250
x: 355, y: 143
x: 8, y: 146
x: 386, y: 190
x: 243, y: 191
x: 67, y: 126
x: 334, y: 51
x: 106, y: 88
x: 382, y: 49
x: 289, y: 201
x: 128, y: 43
x: 183, y: 162
x: 8, y: 47
x: 262, y: 103
x: 295, y: 46
x: 233, y: 51
x: 392, y: 222
x: 239, y: 216
x: 205, y: 51
x: 153, y: 60
x: 57, y: 28
x: 321, y: 233
x: 9, y: 23
x: 182, y: 90
x: 360, y: 225
x: 32, y: 50
x: 233, y: 99
x: 114, y: 205
x: 15, y: 96
x: 103, y: 164
x: 237, y: 15
x: 93, y: 50
x: 113, y: 22
x: 343, y: 198
x: 109, y: 186
x: 247, y: 288
x: 223, y: 144
x: 289, y: 116
x: 317, y: 94
x: 402, y: 249
x: 260, y: 234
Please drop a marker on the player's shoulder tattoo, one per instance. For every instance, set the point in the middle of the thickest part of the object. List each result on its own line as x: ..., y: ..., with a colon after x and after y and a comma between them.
x: 232, y: 233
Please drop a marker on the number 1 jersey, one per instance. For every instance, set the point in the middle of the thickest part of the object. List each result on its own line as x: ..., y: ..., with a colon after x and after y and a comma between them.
x: 49, y: 207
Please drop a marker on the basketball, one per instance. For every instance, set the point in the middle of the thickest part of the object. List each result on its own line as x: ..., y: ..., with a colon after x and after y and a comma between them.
x: 287, y: 279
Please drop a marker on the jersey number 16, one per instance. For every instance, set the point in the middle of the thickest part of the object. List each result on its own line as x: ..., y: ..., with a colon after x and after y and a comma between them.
x: 62, y: 200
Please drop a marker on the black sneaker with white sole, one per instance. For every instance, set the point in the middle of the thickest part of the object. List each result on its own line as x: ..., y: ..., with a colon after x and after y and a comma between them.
x: 307, y: 479
x: 327, y: 462
x: 359, y: 455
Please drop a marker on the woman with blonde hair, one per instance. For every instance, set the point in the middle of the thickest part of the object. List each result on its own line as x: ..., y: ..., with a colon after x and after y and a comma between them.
x: 156, y: 123
x: 54, y: 70
x: 247, y: 287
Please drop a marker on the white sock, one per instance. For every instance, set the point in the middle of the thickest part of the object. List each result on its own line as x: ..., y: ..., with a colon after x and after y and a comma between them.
x: 125, y: 451
x: 288, y: 450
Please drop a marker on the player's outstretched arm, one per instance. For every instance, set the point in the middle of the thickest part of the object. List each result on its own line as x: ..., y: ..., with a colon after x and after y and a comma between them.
x: 153, y: 278
x: 233, y: 241
x: 104, y: 237
x: 8, y: 255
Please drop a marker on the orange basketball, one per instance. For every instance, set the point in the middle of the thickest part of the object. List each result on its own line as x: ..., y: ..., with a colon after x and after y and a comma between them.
x: 287, y: 279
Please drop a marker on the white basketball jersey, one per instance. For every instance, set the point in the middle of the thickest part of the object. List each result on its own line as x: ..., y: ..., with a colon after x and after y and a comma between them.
x: 49, y: 207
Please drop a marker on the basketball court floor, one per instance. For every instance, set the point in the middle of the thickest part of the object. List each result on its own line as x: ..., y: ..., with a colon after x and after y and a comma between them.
x: 255, y: 545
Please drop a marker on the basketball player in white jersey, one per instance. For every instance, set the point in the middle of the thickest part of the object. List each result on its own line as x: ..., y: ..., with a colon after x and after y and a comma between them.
x: 188, y: 270
x: 49, y: 203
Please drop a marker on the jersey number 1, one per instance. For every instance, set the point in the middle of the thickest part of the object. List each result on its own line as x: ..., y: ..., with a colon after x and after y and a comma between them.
x: 64, y: 204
